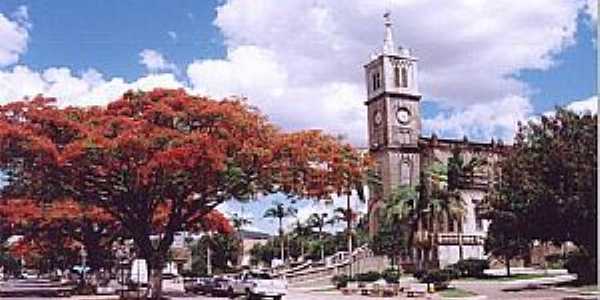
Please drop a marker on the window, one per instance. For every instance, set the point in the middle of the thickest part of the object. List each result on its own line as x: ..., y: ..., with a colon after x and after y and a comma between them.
x: 396, y: 77
x: 376, y: 78
x: 478, y: 220
x: 374, y: 81
x: 405, y: 173
x: 404, y: 77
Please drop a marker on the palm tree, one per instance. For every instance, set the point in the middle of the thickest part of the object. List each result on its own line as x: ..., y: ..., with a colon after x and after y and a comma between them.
x: 280, y: 211
x: 239, y: 222
x: 301, y: 233
x: 404, y: 207
x: 457, y: 171
x: 317, y: 220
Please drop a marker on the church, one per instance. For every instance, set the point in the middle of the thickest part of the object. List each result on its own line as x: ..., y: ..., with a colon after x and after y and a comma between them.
x: 403, y: 155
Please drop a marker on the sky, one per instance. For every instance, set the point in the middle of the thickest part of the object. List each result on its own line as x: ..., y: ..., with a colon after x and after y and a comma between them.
x: 483, y: 65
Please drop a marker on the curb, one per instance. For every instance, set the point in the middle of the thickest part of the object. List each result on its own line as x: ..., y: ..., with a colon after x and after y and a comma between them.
x: 576, y: 291
x: 478, y: 297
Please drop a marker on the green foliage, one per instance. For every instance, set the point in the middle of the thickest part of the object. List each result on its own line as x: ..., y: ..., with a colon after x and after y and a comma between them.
x: 225, y: 250
x: 340, y: 281
x: 368, y: 277
x: 549, y: 183
x: 469, y: 268
x: 550, y: 179
x: 391, y: 275
x: 263, y: 253
x: 397, y: 222
x: 439, y: 278
x: 9, y: 263
x: 556, y: 261
x: 584, y: 265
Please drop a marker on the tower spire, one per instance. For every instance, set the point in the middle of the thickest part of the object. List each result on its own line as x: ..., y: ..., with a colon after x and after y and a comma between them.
x: 388, y: 40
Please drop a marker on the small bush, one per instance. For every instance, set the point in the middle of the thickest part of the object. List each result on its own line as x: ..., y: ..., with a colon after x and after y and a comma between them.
x: 556, y: 261
x: 584, y: 266
x: 471, y: 267
x: 391, y: 275
x: 418, y: 274
x: 439, y: 278
x: 452, y: 272
x: 340, y: 281
x: 368, y: 277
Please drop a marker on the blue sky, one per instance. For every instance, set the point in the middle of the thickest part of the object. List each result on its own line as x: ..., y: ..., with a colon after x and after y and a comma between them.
x: 301, y: 62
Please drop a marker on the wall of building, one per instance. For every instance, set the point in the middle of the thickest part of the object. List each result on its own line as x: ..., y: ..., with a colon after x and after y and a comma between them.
x: 450, y: 254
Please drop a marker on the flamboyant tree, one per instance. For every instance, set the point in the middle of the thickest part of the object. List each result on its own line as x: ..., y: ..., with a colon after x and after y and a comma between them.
x: 160, y: 150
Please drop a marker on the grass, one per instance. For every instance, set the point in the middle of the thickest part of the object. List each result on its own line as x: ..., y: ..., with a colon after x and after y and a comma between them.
x: 456, y: 293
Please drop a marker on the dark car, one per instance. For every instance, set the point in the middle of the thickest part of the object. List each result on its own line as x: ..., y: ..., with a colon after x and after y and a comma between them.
x: 197, y: 285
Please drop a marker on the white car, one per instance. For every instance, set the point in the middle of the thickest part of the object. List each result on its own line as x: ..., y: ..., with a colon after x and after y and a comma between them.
x: 257, y: 285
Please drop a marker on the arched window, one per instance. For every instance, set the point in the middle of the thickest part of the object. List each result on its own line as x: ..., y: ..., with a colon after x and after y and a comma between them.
x: 404, y: 77
x: 396, y: 76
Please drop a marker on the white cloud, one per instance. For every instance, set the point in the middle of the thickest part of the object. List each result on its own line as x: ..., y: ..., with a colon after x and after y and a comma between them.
x: 300, y: 61
x: 88, y: 89
x: 13, y: 36
x: 583, y: 106
x: 154, y: 61
x: 498, y: 119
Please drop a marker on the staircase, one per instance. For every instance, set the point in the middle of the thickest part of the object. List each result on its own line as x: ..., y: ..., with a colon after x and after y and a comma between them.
x: 319, y: 274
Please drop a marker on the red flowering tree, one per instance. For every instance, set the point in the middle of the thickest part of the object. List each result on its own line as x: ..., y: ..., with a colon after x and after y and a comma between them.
x: 157, y: 151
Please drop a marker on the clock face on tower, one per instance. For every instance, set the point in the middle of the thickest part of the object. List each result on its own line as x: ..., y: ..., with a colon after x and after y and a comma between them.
x: 403, y: 116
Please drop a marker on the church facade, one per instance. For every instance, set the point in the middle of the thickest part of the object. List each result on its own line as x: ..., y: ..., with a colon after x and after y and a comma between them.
x: 403, y: 156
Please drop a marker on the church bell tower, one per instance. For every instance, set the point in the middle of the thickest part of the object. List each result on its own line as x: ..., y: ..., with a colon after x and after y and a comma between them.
x: 394, y: 119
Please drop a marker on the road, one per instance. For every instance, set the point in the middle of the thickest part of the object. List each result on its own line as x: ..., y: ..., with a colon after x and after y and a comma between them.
x: 493, y: 290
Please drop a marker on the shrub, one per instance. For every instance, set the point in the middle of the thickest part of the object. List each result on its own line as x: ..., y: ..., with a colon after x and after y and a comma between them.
x: 471, y: 267
x: 556, y: 261
x: 583, y: 265
x: 452, y: 272
x: 368, y: 277
x: 340, y: 281
x: 418, y: 274
x: 439, y: 278
x: 391, y: 275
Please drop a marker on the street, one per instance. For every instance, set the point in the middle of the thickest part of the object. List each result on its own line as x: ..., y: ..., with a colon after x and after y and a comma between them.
x: 173, y: 290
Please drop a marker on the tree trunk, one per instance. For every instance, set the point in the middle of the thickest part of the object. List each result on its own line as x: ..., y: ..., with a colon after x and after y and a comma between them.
x: 281, y: 240
x: 349, y: 232
x: 321, y: 242
x: 460, y: 242
x: 507, y: 262
x: 156, y: 283
x: 208, y: 259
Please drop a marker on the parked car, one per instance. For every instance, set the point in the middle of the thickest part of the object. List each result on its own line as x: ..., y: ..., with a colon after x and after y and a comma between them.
x: 217, y: 286
x: 197, y: 285
x: 257, y: 285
